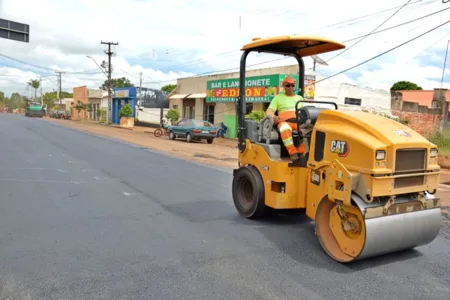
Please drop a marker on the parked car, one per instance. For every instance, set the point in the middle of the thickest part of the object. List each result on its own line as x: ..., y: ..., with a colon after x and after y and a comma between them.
x: 35, y: 109
x: 193, y: 130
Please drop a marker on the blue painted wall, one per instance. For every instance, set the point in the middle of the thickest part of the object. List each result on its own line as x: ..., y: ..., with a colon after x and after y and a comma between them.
x: 121, y: 97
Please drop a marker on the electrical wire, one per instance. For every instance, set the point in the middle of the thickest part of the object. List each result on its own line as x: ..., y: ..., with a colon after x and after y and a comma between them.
x: 399, y: 25
x: 370, y: 59
x: 49, y: 69
x: 390, y: 17
x: 284, y: 58
x: 328, y: 26
x: 385, y: 52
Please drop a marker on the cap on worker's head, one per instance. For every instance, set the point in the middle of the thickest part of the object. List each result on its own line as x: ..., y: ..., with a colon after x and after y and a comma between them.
x: 288, y: 79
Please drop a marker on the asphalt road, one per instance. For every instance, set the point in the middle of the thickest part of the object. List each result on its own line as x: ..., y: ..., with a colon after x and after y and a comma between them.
x: 84, y: 217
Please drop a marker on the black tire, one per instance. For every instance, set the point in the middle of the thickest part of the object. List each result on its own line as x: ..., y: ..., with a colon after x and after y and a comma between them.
x: 171, y: 135
x: 158, y: 132
x: 210, y: 141
x: 248, y: 193
x: 188, y: 138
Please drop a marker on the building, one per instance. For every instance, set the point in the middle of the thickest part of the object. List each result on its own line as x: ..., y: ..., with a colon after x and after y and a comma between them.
x: 97, y: 99
x: 212, y: 97
x: 121, y: 97
x: 80, y: 95
x: 64, y: 104
x: 418, y: 100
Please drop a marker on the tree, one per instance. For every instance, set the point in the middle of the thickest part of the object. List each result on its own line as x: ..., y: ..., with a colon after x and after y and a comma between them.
x: 16, y: 101
x: 50, y: 97
x: 173, y: 115
x: 168, y: 88
x: 117, y: 83
x: 405, y: 85
x: 35, y: 84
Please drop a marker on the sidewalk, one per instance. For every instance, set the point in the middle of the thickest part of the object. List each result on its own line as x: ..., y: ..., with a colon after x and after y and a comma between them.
x: 223, y: 152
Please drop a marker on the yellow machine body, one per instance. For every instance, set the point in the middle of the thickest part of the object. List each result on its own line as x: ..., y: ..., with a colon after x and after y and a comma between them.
x: 348, y: 158
x: 367, y: 181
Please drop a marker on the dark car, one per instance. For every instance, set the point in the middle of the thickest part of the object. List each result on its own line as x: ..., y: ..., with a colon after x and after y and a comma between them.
x: 193, y: 130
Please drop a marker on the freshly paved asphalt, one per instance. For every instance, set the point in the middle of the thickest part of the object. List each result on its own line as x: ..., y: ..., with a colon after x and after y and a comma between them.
x: 84, y: 217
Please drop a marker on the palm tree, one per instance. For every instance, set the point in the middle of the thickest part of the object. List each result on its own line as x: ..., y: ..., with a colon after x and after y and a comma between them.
x: 35, y: 84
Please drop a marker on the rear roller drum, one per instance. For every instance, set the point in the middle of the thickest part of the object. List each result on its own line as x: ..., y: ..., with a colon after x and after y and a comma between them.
x: 248, y: 193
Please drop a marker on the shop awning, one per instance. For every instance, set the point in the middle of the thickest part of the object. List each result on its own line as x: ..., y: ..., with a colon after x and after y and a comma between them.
x: 200, y: 95
x: 178, y: 96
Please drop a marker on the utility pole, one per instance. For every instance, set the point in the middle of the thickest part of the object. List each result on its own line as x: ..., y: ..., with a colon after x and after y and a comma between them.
x: 40, y: 85
x: 59, y: 87
x: 110, y: 53
x: 140, y: 89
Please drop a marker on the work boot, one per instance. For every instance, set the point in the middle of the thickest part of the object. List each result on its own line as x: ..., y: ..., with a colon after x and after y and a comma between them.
x: 294, y: 156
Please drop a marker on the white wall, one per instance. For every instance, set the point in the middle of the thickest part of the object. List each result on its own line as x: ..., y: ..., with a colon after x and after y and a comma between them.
x: 104, y: 103
x: 150, y: 115
x: 330, y: 90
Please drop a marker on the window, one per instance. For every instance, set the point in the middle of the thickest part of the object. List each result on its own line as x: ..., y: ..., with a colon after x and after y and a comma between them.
x: 202, y: 124
x: 249, y: 107
x: 352, y: 101
x: 189, y: 112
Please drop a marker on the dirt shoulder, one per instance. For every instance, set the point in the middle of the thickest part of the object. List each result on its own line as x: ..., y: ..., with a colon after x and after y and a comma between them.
x: 222, y: 153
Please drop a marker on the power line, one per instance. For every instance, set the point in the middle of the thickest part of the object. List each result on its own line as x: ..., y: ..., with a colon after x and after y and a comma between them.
x: 362, y: 17
x: 284, y: 58
x: 328, y: 26
x: 346, y: 49
x: 45, y: 68
x: 381, y: 54
x: 399, y: 25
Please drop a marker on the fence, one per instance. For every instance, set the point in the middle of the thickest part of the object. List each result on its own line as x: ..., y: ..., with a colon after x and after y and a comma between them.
x: 430, y: 126
x: 150, y: 116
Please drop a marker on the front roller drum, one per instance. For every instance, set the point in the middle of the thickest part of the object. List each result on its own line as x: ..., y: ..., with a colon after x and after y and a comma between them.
x: 346, y: 235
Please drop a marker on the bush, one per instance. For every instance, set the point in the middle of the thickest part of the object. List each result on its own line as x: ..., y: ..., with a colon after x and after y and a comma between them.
x: 172, y: 115
x: 126, y: 111
x: 256, y: 115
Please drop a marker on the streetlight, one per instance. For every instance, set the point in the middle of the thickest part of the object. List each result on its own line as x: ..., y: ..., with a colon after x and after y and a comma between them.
x: 101, y: 69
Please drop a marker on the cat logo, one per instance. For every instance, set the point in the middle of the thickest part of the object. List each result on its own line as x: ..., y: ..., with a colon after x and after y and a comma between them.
x: 402, y: 133
x: 340, y: 147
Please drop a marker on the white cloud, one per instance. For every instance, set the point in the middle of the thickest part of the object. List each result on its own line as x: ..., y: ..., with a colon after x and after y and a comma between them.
x: 160, y: 38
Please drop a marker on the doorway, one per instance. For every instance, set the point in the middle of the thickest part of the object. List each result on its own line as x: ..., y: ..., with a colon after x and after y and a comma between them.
x: 209, y: 112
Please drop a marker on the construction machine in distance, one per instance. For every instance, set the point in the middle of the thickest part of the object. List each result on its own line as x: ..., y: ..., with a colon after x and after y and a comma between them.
x: 367, y: 181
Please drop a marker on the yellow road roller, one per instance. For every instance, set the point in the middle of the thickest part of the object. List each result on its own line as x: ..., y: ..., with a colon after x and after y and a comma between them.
x: 367, y: 181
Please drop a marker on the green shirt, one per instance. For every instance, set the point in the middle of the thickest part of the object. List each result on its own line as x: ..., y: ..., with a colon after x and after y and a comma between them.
x: 282, y: 103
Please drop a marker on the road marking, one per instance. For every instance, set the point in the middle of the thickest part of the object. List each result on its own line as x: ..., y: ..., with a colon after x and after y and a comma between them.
x: 32, y: 169
x: 131, y: 194
x: 38, y: 180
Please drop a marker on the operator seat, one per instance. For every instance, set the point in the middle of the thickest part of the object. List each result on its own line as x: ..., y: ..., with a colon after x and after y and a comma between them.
x: 306, y: 118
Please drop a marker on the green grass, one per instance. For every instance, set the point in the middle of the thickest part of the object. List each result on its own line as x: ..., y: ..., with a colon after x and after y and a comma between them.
x: 442, y: 140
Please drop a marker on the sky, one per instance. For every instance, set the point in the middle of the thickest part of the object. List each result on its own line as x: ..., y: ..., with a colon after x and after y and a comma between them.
x: 166, y: 40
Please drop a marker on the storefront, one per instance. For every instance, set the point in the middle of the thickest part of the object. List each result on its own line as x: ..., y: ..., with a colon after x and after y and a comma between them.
x: 218, y: 104
x: 121, y: 97
x: 259, y: 92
